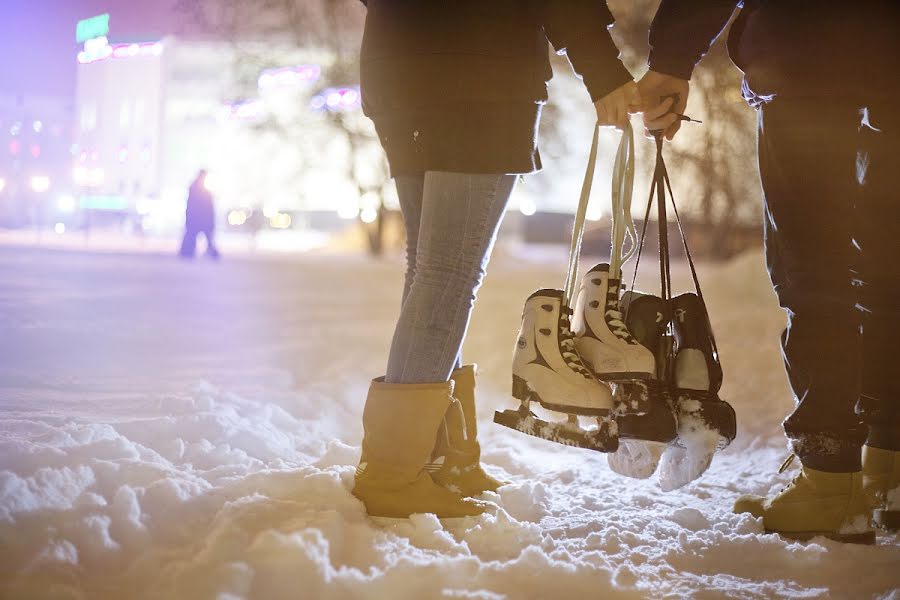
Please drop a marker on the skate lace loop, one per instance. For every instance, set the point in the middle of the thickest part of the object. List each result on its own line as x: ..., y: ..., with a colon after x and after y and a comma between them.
x: 567, y: 345
x: 616, y: 324
x: 613, y: 315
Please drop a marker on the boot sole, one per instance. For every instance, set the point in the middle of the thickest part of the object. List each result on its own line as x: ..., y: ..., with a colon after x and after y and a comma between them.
x: 521, y: 391
x: 887, y: 519
x: 867, y: 537
x: 446, y: 521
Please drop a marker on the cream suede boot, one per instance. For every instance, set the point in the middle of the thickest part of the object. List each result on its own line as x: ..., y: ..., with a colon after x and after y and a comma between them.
x: 400, y: 422
x: 816, y: 503
x: 881, y: 481
x: 456, y: 459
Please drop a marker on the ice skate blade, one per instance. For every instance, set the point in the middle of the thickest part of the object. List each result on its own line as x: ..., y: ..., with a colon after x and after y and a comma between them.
x: 866, y: 537
x: 581, y: 411
x: 522, y: 391
x: 602, y: 439
x: 636, y: 459
x: 887, y: 519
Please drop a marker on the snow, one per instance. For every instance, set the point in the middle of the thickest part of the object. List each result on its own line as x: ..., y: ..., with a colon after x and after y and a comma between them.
x: 190, y: 430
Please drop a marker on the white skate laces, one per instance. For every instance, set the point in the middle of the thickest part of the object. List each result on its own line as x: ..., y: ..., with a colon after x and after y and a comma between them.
x: 616, y: 323
x: 567, y: 343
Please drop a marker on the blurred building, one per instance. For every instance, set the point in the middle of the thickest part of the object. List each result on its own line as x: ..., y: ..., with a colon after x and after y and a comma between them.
x: 145, y: 120
x: 150, y: 114
x: 34, y: 170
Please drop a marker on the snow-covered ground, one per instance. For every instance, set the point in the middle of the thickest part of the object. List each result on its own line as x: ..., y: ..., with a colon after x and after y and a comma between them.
x: 190, y: 430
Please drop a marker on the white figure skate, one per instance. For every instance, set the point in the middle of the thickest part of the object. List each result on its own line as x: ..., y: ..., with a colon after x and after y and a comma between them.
x: 606, y: 346
x: 547, y: 371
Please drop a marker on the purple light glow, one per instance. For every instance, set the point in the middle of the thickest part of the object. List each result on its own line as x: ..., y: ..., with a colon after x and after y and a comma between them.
x: 288, y: 76
x: 249, y: 110
x: 121, y: 51
x: 337, y: 99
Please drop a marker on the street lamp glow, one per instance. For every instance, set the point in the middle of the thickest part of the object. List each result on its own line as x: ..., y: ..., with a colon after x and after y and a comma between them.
x: 60, y: 228
x: 594, y: 212
x: 348, y: 211
x: 40, y: 183
x: 66, y: 203
x: 527, y: 207
x: 2, y: 184
x: 237, y: 217
x: 280, y: 221
x: 368, y: 214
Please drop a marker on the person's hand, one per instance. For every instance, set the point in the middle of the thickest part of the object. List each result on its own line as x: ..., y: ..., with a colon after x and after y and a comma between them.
x: 663, y: 98
x: 613, y: 108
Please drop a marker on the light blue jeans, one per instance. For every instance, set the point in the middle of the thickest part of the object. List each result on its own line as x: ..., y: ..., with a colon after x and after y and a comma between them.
x: 451, y: 223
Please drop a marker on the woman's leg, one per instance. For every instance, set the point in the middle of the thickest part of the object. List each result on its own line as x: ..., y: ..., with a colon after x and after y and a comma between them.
x: 460, y: 216
x: 409, y: 194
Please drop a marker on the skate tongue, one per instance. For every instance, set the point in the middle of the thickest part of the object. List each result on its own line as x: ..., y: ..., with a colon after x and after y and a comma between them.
x: 546, y: 293
x: 600, y: 268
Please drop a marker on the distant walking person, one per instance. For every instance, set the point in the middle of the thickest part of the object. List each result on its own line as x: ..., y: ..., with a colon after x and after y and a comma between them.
x: 199, y: 217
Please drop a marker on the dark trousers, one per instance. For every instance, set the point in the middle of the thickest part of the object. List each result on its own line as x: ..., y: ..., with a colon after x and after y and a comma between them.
x: 832, y: 229
x: 189, y: 243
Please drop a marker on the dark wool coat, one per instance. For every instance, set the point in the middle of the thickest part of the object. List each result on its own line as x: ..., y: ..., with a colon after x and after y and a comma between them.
x: 458, y: 85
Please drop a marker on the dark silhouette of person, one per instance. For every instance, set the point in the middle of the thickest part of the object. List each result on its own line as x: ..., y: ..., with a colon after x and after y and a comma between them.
x: 823, y: 77
x: 199, y: 217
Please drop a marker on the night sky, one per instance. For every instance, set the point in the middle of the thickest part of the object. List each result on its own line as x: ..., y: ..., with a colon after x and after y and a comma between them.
x: 37, y: 45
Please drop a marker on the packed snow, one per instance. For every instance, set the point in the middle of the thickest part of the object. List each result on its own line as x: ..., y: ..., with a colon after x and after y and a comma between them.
x: 190, y: 430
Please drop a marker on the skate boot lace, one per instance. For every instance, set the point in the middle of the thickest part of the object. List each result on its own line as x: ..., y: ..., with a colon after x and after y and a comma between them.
x: 567, y: 345
x: 616, y: 324
x: 614, y: 319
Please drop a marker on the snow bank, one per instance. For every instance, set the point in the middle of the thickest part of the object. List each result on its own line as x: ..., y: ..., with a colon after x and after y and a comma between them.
x: 179, y: 430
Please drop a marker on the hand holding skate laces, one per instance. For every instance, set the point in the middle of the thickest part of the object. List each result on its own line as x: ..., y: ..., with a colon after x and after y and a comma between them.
x: 548, y: 370
x: 678, y: 332
x: 604, y: 342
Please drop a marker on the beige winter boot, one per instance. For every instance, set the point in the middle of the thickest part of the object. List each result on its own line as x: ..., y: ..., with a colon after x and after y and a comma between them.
x: 881, y: 481
x: 456, y: 459
x: 816, y: 503
x: 400, y: 422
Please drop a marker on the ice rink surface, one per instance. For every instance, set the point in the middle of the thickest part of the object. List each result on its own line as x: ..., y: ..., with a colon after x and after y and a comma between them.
x: 190, y: 430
